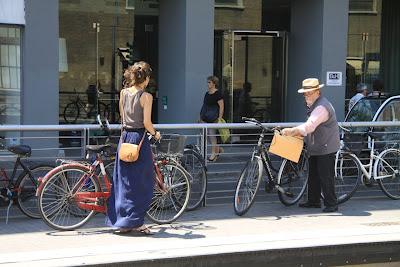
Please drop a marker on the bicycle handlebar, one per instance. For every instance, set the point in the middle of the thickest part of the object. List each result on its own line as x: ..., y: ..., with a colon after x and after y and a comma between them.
x: 259, y: 124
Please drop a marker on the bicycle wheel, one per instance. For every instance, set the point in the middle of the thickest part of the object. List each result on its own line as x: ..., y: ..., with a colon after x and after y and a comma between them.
x: 247, y: 185
x: 71, y: 112
x: 194, y: 165
x: 27, y: 184
x: 57, y: 204
x: 387, y: 172
x: 170, y: 202
x: 347, y: 176
x: 292, y: 178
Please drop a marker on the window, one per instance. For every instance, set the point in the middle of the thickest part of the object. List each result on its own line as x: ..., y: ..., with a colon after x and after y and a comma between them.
x: 10, y: 74
x: 362, y: 6
x: 229, y: 3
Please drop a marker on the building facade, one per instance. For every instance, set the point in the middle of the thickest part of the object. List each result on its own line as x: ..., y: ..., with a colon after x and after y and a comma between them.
x: 55, y: 54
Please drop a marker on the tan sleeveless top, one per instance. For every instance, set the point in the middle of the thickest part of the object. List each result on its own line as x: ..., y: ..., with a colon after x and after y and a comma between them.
x: 133, y: 111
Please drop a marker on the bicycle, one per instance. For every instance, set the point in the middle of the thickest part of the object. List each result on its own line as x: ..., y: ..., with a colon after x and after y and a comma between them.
x: 350, y: 171
x: 290, y: 180
x: 193, y: 163
x: 22, y: 191
x: 72, y: 193
x: 73, y: 109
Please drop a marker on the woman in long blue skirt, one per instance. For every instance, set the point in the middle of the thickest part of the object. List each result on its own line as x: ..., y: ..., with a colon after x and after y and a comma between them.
x: 133, y: 182
x: 132, y: 187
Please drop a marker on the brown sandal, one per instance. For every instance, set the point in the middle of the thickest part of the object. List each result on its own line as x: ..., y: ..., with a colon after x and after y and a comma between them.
x: 143, y: 230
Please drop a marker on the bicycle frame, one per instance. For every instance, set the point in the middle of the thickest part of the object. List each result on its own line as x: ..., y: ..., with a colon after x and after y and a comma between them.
x: 267, y: 164
x: 11, y: 180
x: 367, y: 169
x: 82, y: 198
x: 97, y: 200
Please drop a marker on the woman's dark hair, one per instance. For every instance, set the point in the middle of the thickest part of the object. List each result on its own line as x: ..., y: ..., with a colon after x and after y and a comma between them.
x: 136, y: 74
x: 214, y: 79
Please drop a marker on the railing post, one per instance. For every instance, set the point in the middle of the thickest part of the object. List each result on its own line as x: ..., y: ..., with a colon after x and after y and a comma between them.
x: 84, y: 142
x: 204, y: 144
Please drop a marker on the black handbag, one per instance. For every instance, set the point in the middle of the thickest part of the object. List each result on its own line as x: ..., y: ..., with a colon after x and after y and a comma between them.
x: 209, y: 113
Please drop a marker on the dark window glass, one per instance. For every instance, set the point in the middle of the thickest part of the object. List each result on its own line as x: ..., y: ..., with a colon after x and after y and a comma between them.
x: 10, y: 74
x: 362, y: 5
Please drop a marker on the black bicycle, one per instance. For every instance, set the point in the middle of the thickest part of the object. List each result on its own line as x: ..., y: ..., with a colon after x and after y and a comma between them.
x: 23, y: 189
x: 78, y: 107
x: 290, y: 180
x: 193, y: 162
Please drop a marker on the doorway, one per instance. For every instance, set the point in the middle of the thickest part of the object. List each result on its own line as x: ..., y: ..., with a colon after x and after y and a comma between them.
x: 252, y: 69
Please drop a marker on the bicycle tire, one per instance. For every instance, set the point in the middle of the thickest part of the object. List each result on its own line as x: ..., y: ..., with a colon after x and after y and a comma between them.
x: 193, y: 163
x: 26, y: 196
x: 347, y: 176
x: 167, y: 206
x: 56, y: 204
x: 248, y: 184
x: 293, y: 178
x: 386, y: 171
x: 71, y: 112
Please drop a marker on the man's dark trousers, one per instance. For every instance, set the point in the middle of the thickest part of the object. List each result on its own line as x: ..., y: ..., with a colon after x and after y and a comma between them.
x: 322, y: 176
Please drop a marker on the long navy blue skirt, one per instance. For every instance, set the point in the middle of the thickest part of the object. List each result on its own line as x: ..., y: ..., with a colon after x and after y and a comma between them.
x: 132, y: 187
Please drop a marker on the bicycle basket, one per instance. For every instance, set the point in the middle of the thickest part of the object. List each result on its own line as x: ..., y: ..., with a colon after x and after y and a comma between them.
x: 170, y: 144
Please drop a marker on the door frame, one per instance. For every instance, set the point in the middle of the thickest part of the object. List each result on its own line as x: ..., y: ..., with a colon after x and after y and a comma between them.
x: 283, y: 63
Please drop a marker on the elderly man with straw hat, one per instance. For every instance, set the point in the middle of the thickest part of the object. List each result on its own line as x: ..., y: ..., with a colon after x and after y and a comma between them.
x: 322, y: 138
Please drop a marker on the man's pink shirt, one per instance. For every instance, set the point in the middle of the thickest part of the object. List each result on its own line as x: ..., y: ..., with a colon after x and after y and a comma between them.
x: 319, y: 115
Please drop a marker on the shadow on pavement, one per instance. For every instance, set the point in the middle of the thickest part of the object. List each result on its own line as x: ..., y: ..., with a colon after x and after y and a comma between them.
x: 197, y: 220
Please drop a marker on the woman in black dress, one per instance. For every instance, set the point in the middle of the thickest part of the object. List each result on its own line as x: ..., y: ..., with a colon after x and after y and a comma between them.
x: 212, y: 111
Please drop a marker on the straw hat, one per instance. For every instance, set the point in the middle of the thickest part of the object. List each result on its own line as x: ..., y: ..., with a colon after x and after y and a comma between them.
x: 310, y: 84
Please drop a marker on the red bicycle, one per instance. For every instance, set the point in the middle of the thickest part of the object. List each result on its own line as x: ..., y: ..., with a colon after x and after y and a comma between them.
x: 72, y: 193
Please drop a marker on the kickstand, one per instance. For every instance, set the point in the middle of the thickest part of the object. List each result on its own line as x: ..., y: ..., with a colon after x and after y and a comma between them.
x: 8, y: 210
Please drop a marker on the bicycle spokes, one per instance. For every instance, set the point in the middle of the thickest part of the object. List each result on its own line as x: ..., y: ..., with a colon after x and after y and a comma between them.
x: 170, y: 198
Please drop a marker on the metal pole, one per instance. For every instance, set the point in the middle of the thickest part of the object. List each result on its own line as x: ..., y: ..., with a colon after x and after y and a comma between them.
x: 96, y: 26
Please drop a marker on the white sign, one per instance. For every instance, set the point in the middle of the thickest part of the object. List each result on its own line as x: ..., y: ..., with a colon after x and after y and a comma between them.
x: 12, y: 12
x: 334, y: 78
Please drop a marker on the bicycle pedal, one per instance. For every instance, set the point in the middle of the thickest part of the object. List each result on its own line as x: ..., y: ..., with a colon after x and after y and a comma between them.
x: 366, y: 182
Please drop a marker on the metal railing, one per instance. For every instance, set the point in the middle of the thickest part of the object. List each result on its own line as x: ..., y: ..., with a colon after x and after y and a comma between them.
x: 50, y: 142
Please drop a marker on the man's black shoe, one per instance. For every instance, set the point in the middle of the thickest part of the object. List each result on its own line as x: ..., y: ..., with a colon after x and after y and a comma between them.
x: 309, y: 205
x: 330, y: 209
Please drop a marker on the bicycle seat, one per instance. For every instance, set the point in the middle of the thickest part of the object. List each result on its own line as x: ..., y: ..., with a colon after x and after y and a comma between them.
x: 97, y: 148
x: 20, y: 150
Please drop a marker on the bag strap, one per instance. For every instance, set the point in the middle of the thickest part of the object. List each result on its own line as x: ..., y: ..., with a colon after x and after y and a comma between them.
x: 141, y: 141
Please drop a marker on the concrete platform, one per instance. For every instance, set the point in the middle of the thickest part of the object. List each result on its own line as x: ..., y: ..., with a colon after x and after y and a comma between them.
x: 363, y: 231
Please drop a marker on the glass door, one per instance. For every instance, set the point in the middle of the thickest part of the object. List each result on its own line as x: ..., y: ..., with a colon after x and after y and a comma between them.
x: 254, y: 75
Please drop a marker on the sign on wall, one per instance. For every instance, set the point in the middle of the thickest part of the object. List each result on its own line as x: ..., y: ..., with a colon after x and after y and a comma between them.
x: 12, y: 12
x: 334, y: 78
